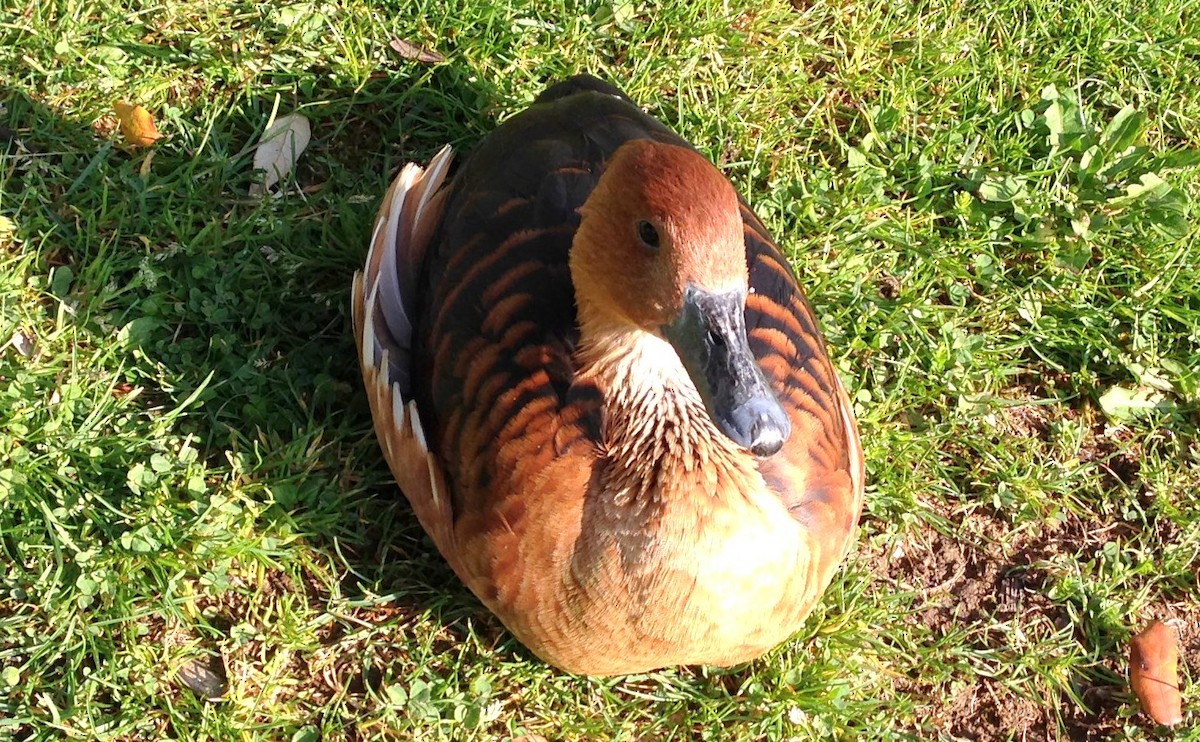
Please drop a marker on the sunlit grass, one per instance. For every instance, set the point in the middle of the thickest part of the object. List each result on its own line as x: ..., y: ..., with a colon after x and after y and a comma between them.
x: 188, y: 476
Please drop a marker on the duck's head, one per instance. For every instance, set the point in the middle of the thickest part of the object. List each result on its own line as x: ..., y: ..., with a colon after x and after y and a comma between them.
x: 660, y: 248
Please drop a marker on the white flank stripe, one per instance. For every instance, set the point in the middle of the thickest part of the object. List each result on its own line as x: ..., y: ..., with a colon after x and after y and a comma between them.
x: 414, y: 419
x: 368, y: 338
x: 437, y: 171
x: 389, y: 278
x: 433, y: 487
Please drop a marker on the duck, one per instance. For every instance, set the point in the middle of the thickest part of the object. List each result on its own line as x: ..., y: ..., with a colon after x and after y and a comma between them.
x: 603, y: 392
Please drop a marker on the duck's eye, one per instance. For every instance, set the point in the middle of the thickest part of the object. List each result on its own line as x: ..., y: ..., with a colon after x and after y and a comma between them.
x: 647, y: 234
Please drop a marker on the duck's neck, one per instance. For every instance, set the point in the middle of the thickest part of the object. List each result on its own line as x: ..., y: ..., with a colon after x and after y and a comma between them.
x: 658, y: 436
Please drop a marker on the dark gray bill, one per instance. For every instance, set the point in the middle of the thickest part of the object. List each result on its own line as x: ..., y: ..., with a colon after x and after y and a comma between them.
x: 710, y: 337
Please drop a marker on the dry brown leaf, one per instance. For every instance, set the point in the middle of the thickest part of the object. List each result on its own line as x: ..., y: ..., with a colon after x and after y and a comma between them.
x: 1154, y: 673
x: 409, y: 50
x: 281, y: 144
x: 136, y: 124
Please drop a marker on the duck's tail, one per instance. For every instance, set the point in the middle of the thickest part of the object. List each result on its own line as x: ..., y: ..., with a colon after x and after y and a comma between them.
x: 383, y: 306
x: 385, y: 289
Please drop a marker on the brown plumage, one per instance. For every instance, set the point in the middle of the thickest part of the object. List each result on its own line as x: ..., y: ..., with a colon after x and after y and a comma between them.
x: 608, y: 401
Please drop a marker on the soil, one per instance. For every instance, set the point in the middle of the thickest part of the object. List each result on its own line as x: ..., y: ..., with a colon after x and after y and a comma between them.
x: 971, y: 582
x: 980, y: 577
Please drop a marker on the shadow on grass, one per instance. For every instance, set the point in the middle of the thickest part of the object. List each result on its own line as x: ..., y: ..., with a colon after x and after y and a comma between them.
x: 238, y: 307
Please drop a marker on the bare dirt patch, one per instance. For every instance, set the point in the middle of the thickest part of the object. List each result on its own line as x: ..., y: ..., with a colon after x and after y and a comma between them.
x: 981, y: 582
x: 1030, y: 420
x: 971, y: 581
x: 989, y: 583
x: 987, y: 710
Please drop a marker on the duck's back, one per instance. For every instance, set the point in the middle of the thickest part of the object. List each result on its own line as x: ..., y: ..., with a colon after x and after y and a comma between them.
x: 496, y: 329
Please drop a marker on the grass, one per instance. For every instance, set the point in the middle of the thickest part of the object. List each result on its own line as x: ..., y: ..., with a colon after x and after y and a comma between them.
x: 188, y: 478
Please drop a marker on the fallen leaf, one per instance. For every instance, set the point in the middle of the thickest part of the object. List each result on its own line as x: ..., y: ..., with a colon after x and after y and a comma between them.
x: 1154, y: 673
x: 136, y: 124
x: 1122, y: 403
x: 8, y: 230
x: 205, y: 677
x: 408, y: 50
x: 22, y: 342
x: 281, y: 145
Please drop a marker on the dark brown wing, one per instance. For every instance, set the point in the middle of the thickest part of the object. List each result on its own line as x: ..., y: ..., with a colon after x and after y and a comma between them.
x: 496, y: 308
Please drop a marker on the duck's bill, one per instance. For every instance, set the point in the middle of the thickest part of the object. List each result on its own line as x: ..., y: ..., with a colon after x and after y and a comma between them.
x: 710, y: 337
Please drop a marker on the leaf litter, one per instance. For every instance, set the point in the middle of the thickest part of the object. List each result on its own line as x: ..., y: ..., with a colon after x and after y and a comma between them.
x: 280, y: 147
